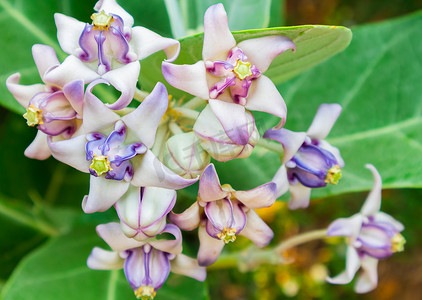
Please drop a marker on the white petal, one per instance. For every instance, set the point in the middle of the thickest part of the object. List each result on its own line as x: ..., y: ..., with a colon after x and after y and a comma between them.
x: 323, y: 121
x: 386, y: 218
x: 144, y: 120
x: 173, y: 246
x: 101, y: 259
x: 352, y: 265
x: 45, y: 58
x: 115, y: 238
x: 23, y: 93
x: 209, y: 248
x: 256, y: 230
x: 189, y: 219
x: 300, y: 196
x: 264, y: 96
x: 218, y: 40
x: 280, y: 179
x: 103, y: 193
x: 346, y: 226
x: 38, y: 149
x: 259, y: 197
x: 290, y: 140
x: 209, y: 185
x: 372, y: 203
x: 368, y: 279
x: 188, y: 78
x: 71, y: 152
x: 261, y: 51
x: 146, y: 42
x: 187, y: 266
x: 69, y: 31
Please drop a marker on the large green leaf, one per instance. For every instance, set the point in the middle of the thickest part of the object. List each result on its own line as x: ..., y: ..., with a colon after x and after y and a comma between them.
x: 377, y: 82
x: 58, y: 271
x: 314, y: 44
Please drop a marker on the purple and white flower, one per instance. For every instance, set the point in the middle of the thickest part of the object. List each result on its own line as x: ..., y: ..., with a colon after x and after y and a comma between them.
x: 221, y: 144
x: 146, y: 264
x: 371, y: 235
x: 115, y: 150
x: 55, y: 110
x: 231, y: 73
x: 222, y: 213
x: 109, y: 48
x: 143, y: 210
x: 308, y: 161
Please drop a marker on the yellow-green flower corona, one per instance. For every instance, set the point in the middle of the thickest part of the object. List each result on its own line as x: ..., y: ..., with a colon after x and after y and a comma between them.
x: 33, y: 116
x: 227, y: 235
x: 242, y: 69
x: 145, y: 293
x: 101, y: 20
x: 333, y: 175
x: 397, y: 243
x: 100, y: 164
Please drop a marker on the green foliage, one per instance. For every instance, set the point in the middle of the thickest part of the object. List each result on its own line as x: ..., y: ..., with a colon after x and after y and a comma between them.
x: 377, y: 82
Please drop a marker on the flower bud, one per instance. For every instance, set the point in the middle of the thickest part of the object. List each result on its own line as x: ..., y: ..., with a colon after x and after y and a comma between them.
x: 184, y: 155
x: 216, y: 141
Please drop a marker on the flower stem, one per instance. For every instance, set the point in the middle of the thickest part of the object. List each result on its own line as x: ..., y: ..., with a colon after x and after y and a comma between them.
x: 252, y: 257
x: 140, y: 95
x: 187, y: 112
x: 174, y: 128
x: 193, y: 103
x: 160, y: 138
x: 269, y: 145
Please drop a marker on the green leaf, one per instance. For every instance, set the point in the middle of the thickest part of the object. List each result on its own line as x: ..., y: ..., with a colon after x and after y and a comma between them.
x: 377, y: 82
x: 314, y: 44
x: 58, y: 271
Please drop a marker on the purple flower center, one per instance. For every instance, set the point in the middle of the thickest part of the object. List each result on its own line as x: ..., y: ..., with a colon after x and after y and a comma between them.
x: 238, y: 74
x: 110, y: 155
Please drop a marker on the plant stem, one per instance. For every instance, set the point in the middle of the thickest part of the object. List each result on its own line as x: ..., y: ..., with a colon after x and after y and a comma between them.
x: 26, y: 219
x: 174, y: 128
x: 193, y: 103
x: 252, y: 257
x: 272, y: 146
x: 187, y: 112
x: 160, y: 138
x: 140, y: 95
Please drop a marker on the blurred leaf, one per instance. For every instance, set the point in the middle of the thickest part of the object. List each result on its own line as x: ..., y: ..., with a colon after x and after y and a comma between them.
x: 58, y: 271
x: 377, y: 81
x: 314, y: 43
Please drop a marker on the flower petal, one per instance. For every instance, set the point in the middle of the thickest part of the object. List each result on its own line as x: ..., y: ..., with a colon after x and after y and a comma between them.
x: 74, y: 92
x: 299, y: 196
x: 38, y: 149
x: 323, y: 121
x: 381, y: 217
x: 352, y: 265
x: 346, y: 226
x: 23, y: 93
x: 233, y: 119
x: 256, y: 230
x: 209, y: 185
x: 124, y: 80
x: 261, y: 51
x: 259, y: 197
x: 187, y: 220
x: 188, y: 78
x: 97, y: 116
x: 68, y: 32
x: 368, y: 279
x: 150, y: 171
x: 187, y: 266
x: 156, y: 204
x: 69, y: 70
x: 103, y: 193
x: 264, y: 96
x: 147, y: 42
x: 218, y: 39
x: 115, y: 238
x: 71, y: 152
x: 111, y: 6
x: 290, y: 140
x: 144, y: 120
x: 45, y: 58
x: 170, y: 246
x: 372, y: 203
x: 280, y: 179
x: 101, y: 259
x: 209, y: 248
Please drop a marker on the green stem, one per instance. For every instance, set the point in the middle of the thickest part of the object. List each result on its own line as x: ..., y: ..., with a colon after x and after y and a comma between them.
x: 160, y: 138
x: 140, y: 95
x: 194, y: 103
x: 174, y: 128
x: 27, y: 220
x: 187, y: 113
x: 252, y: 257
x: 269, y: 145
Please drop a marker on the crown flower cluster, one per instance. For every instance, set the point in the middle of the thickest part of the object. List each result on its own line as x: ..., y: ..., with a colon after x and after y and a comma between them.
x: 137, y: 155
